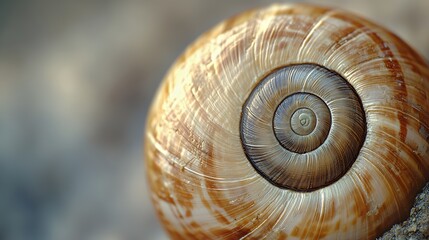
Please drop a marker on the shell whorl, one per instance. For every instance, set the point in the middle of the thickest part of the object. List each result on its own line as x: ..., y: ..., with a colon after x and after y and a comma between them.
x: 209, y: 180
x: 302, y: 127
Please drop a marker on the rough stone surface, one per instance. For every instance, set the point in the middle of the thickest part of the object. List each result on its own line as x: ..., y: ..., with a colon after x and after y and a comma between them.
x: 417, y: 225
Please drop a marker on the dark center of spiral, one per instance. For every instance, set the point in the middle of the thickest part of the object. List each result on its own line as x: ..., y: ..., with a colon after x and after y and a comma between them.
x: 302, y: 127
x: 303, y: 121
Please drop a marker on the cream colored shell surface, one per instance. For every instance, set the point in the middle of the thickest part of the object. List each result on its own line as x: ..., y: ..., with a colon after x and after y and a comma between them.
x: 202, y: 184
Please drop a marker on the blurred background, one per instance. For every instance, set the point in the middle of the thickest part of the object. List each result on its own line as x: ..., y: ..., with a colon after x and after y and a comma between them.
x: 76, y: 81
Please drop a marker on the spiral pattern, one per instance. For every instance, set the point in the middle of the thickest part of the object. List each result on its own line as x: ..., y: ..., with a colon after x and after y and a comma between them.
x: 302, y: 127
x: 302, y: 122
x: 289, y: 122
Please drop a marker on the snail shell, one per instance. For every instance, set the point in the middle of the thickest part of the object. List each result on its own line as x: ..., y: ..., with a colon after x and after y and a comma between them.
x: 292, y: 121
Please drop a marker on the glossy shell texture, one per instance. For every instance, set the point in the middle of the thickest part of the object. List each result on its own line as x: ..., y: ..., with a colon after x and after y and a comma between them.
x: 204, y: 186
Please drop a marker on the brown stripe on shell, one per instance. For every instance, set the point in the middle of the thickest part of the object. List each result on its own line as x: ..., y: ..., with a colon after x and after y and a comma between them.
x: 393, y: 65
